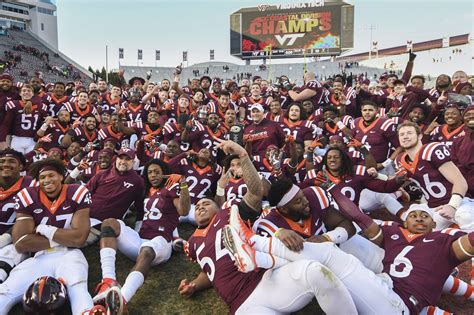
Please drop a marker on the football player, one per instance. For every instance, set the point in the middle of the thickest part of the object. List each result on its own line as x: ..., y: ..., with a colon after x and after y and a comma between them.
x: 167, y: 198
x: 443, y: 185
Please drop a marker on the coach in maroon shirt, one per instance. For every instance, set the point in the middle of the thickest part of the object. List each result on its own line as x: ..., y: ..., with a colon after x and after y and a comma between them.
x: 116, y: 189
x: 463, y: 148
x: 262, y: 132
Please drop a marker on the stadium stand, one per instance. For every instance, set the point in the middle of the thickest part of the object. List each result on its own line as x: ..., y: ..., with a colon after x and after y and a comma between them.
x: 24, y: 55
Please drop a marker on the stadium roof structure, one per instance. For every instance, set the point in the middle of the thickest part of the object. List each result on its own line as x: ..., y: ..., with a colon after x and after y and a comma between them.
x: 420, y: 46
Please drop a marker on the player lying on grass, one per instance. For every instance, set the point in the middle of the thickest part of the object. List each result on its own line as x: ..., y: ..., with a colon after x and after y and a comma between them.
x: 249, y: 293
x: 417, y: 261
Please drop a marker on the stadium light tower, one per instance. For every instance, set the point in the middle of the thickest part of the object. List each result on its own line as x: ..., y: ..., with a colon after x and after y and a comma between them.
x: 371, y: 28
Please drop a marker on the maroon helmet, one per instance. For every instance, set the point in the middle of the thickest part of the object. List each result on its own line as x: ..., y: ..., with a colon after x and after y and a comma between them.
x: 46, y: 295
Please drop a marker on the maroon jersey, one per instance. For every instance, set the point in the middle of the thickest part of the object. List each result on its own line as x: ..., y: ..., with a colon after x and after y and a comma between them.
x: 424, y: 172
x: 206, y: 247
x: 32, y: 201
x: 442, y: 134
x: 55, y: 104
x: 80, y: 135
x: 313, y: 225
x: 144, y: 129
x: 418, y: 264
x: 91, y: 171
x: 108, y: 105
x: 351, y: 186
x: 301, y: 130
x: 113, y: 193
x: 215, y: 107
x: 77, y: 113
x: 200, y: 180
x: 263, y: 135
x: 18, y: 123
x: 329, y: 130
x: 7, y: 202
x: 56, y: 133
x: 322, y: 95
x: 135, y: 113
x: 300, y: 171
x: 235, y: 189
x: 378, y: 136
x: 161, y: 216
x: 247, y: 101
x: 465, y: 162
x: 201, y: 136
x: 119, y: 137
x: 172, y: 132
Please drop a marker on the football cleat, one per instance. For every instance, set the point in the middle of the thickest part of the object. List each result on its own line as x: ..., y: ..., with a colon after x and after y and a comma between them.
x: 102, y: 289
x: 114, y: 302
x: 96, y: 310
x: 239, y: 225
x: 243, y: 253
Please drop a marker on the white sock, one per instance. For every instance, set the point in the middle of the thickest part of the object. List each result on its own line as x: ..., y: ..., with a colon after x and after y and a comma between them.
x: 457, y: 287
x: 79, y: 297
x: 391, y: 203
x: 133, y: 282
x: 267, y: 261
x: 107, y: 261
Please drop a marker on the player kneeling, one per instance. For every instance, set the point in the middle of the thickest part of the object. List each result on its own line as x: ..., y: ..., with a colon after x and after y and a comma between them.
x: 52, y: 222
x: 167, y: 198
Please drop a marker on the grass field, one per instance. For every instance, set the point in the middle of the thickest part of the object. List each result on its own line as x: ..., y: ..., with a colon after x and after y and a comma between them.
x: 159, y: 294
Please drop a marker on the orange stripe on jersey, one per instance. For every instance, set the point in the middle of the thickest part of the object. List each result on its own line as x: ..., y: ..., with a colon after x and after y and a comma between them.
x: 469, y: 291
x: 322, y: 198
x: 268, y: 226
x: 455, y: 285
x: 79, y: 194
x: 427, y: 150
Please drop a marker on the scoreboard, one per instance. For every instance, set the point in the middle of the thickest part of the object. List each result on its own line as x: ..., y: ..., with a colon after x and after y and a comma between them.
x: 318, y: 28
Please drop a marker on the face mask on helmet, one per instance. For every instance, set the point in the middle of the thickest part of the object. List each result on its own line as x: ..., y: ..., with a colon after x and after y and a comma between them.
x: 46, y: 295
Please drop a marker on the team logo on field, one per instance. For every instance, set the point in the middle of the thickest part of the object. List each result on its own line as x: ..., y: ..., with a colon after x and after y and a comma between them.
x: 395, y: 237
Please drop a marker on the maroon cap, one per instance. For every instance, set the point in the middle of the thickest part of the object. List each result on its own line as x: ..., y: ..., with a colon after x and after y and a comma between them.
x: 468, y: 109
x: 6, y: 76
x: 460, y: 86
x: 398, y: 81
x: 128, y: 152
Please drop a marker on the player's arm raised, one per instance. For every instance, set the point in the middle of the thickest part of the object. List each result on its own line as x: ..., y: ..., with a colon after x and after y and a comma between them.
x: 183, y: 203
x: 253, y: 197
x: 463, y: 247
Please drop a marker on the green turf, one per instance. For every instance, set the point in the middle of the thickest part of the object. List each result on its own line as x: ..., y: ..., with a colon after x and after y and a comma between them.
x: 159, y: 294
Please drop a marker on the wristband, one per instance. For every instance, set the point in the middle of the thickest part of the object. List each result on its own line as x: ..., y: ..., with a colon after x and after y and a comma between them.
x: 340, y: 125
x: 382, y: 177
x: 48, y: 232
x: 277, y: 232
x: 75, y: 173
x: 338, y: 235
x: 456, y: 200
x: 386, y: 163
x: 470, y: 239
x: 376, y: 236
x: 44, y: 127
x: 219, y: 191
x: 183, y: 186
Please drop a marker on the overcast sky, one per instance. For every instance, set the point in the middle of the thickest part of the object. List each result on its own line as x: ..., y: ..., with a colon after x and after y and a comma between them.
x: 85, y: 27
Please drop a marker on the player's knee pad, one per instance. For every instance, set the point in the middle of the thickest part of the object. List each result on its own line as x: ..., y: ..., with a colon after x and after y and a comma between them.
x: 107, y: 231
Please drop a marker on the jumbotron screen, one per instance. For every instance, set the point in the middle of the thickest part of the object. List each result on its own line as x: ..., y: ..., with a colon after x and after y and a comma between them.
x: 318, y: 28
